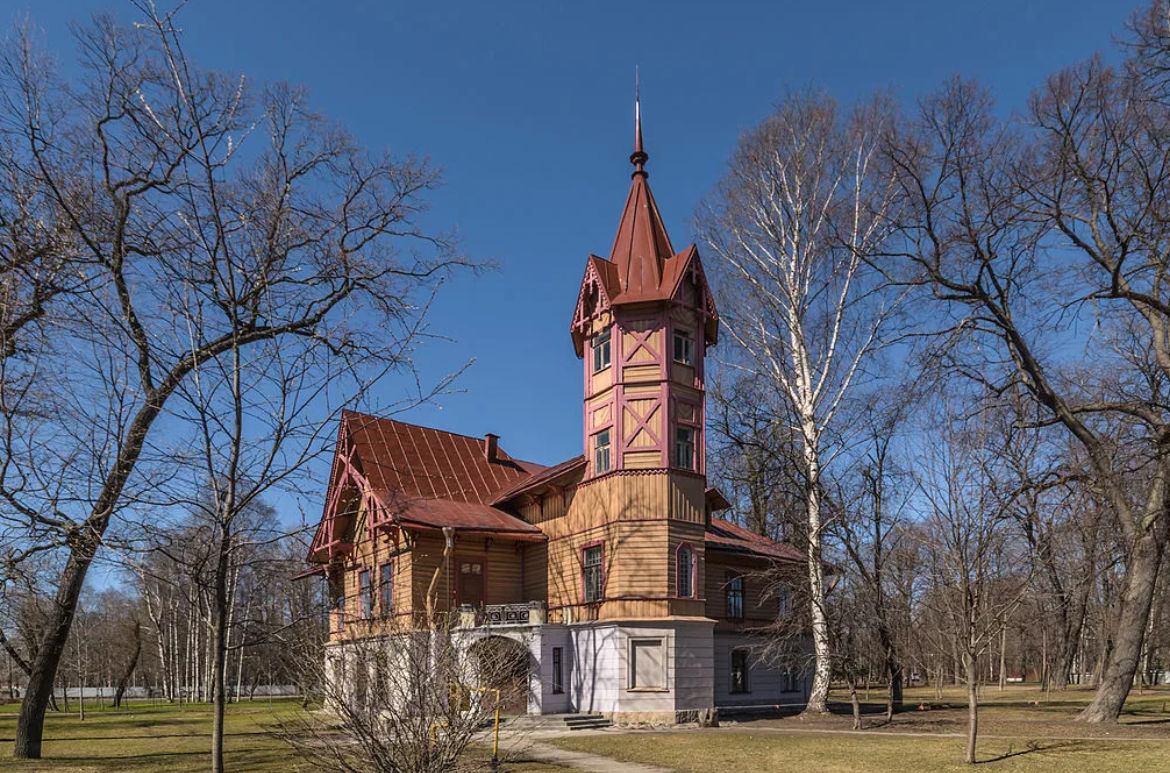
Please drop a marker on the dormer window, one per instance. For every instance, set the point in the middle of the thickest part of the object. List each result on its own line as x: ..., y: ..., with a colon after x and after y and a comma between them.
x: 684, y: 347
x: 601, y: 351
x: 601, y: 452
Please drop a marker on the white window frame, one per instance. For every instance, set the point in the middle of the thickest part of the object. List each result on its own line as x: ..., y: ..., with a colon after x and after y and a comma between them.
x: 602, y: 347
x: 688, y: 346
x: 599, y: 448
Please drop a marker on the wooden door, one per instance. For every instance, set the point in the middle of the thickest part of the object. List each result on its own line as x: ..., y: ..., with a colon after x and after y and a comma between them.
x: 471, y: 586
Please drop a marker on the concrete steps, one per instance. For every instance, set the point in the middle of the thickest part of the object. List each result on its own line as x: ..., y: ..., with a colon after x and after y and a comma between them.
x: 557, y: 722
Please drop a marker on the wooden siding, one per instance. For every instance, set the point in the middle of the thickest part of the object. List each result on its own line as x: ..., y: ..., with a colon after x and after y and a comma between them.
x: 503, y: 570
x: 759, y: 604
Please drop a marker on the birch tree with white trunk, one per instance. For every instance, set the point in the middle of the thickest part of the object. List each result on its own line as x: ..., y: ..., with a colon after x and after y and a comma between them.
x: 805, y: 200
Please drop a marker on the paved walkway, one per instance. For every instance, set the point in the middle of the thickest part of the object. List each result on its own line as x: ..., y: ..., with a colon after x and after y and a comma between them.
x: 593, y: 763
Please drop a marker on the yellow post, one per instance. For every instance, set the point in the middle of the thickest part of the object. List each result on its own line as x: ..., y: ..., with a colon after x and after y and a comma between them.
x: 496, y: 740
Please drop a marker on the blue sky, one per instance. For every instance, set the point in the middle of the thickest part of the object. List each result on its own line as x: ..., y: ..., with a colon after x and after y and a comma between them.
x: 528, y: 107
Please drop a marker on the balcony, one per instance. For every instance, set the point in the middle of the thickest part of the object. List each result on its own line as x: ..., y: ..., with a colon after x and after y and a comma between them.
x: 527, y: 613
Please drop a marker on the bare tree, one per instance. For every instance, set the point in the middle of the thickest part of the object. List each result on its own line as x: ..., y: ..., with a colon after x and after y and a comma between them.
x: 976, y: 580
x: 410, y: 701
x: 805, y: 199
x: 193, y: 196
x: 1025, y: 234
x: 870, y: 530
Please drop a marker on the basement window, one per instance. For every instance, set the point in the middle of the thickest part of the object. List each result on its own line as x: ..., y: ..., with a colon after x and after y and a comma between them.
x: 739, y: 671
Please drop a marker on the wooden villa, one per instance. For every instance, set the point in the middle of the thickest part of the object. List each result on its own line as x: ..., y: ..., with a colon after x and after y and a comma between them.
x: 610, y: 571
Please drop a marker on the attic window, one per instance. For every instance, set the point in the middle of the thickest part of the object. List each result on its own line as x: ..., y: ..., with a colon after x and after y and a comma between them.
x: 601, y: 351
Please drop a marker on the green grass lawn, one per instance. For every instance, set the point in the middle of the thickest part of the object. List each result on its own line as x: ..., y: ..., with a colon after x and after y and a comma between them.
x: 1020, y: 731
x: 741, y: 751
x: 167, y: 739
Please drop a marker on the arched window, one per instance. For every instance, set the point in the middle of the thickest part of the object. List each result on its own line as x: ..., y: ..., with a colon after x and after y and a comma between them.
x: 685, y: 571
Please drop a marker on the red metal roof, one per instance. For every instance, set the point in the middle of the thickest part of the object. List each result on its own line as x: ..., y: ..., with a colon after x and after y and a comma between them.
x: 642, y: 266
x: 423, y: 463
x: 725, y: 535
x: 462, y: 516
x: 548, y: 475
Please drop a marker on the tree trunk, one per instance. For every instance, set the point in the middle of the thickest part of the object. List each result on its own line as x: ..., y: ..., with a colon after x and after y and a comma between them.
x: 30, y: 725
x: 969, y: 666
x: 125, y: 678
x: 1136, y: 597
x: 1003, y: 658
x: 856, y: 705
x: 818, y: 699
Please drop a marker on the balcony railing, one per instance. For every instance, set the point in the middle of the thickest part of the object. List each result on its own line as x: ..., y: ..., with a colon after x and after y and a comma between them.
x: 527, y: 613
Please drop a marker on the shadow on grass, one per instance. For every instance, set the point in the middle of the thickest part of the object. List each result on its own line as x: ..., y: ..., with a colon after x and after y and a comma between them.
x: 1032, y: 747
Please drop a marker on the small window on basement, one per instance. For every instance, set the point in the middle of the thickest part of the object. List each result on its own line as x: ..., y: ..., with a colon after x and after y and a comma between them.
x: 739, y: 671
x: 601, y: 351
x: 684, y: 347
x: 601, y: 452
x: 558, y: 675
x: 684, y: 447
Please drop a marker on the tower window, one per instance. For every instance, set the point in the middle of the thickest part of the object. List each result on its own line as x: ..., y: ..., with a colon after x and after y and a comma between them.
x: 684, y: 347
x: 601, y: 351
x: 601, y: 452
x: 593, y: 574
x: 684, y: 447
x: 686, y: 572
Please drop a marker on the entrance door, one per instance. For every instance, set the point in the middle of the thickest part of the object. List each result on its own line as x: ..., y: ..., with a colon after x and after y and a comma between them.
x: 471, y: 589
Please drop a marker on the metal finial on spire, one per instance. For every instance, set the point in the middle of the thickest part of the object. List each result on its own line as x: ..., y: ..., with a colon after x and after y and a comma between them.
x: 639, y: 157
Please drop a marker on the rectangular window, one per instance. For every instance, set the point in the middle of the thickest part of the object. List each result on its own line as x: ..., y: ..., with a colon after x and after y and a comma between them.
x: 783, y: 603
x: 365, y: 595
x: 601, y: 351
x: 558, y: 675
x: 594, y: 574
x: 684, y: 447
x: 647, y: 664
x: 686, y: 572
x: 739, y: 671
x: 735, y: 597
x: 340, y: 606
x: 684, y: 347
x: 601, y: 452
x: 386, y: 588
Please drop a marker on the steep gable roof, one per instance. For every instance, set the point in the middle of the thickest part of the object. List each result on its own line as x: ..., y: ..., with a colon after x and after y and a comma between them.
x: 421, y: 462
x: 416, y: 477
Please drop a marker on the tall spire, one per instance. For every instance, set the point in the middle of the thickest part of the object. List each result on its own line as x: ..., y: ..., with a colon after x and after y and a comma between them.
x: 639, y: 157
